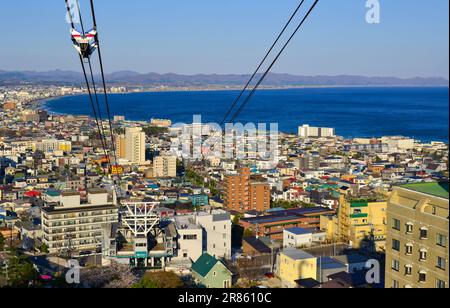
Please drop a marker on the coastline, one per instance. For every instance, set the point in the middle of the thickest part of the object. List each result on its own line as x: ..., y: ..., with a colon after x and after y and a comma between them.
x: 42, y: 104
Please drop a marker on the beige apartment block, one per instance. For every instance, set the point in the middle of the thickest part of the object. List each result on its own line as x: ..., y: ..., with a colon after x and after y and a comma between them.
x: 165, y: 167
x: 417, y: 236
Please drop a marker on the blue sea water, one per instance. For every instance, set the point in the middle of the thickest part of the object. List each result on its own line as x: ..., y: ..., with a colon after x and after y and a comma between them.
x: 422, y: 113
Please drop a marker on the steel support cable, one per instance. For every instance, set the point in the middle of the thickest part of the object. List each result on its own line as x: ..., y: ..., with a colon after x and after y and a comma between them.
x: 261, y: 63
x: 113, y: 142
x: 93, y: 106
x: 94, y: 88
x: 108, y: 110
x: 263, y: 77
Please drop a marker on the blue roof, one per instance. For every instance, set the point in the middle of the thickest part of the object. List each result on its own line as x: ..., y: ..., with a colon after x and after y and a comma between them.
x: 275, y: 209
x: 328, y: 263
x: 298, y: 231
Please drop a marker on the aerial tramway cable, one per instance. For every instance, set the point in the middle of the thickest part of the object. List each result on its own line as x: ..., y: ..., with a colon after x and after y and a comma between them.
x: 86, y: 54
x: 263, y: 77
x: 94, y: 88
x: 261, y: 63
x: 98, y: 124
x: 108, y: 111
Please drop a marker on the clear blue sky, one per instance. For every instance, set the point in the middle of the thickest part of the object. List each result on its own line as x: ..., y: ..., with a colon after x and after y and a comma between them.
x: 231, y: 36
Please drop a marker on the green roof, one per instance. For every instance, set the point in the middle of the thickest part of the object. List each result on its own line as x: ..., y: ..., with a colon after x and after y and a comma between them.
x: 434, y: 189
x: 204, y: 264
x: 52, y: 193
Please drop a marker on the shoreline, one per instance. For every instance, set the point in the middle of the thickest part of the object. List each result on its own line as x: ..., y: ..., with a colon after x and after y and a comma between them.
x: 41, y: 104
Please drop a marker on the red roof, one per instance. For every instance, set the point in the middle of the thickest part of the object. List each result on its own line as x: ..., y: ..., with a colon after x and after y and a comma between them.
x: 32, y: 193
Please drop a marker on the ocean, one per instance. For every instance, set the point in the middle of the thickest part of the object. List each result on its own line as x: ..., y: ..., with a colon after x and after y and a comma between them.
x: 421, y: 113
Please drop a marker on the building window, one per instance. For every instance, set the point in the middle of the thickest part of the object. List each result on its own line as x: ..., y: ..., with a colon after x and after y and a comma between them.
x: 408, y: 270
x: 396, y: 224
x: 422, y: 276
x: 409, y: 249
x: 440, y: 284
x: 423, y: 233
x: 396, y: 265
x: 423, y: 255
x: 441, y: 240
x: 441, y: 263
x: 396, y: 245
x: 409, y: 228
x: 214, y: 274
x: 395, y: 284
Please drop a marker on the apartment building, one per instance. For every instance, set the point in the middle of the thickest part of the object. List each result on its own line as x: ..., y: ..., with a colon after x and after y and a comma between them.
x: 417, y: 236
x: 165, y: 167
x: 52, y: 145
x: 216, y: 232
x: 190, y: 238
x: 71, y: 225
x: 131, y: 146
x: 242, y: 194
x: 236, y: 190
x: 362, y: 222
x: 307, y: 131
x: 259, y: 196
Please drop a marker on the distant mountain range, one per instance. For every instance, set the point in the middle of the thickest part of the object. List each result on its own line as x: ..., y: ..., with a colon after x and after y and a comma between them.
x: 129, y: 78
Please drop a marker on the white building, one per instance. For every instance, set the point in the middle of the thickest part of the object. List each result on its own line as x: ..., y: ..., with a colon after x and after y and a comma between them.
x: 190, y: 238
x: 217, y: 232
x: 307, y: 131
x: 69, y: 225
x: 298, y: 237
x: 398, y: 144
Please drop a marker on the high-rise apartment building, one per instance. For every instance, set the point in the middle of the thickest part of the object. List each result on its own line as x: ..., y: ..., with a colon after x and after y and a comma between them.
x: 165, y: 167
x: 69, y: 225
x: 417, y: 236
x: 131, y: 146
x: 121, y: 146
x: 242, y: 194
x: 259, y: 196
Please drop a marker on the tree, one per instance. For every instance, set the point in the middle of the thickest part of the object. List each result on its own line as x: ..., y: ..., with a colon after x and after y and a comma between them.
x: 248, y: 233
x: 44, y: 248
x: 159, y: 280
x: 21, y: 272
x: 2, y: 242
x: 152, y: 131
x: 113, y: 276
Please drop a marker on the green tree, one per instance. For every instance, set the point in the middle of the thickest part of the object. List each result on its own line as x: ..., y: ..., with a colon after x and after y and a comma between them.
x: 44, y: 248
x: 152, y: 131
x: 159, y: 280
x: 21, y: 272
x: 248, y: 233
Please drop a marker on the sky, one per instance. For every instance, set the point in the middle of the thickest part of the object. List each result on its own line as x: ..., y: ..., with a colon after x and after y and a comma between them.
x: 231, y: 36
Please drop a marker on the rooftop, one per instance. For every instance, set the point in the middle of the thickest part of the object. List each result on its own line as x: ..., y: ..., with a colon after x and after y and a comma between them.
x: 298, y: 231
x: 297, y: 254
x: 434, y: 189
